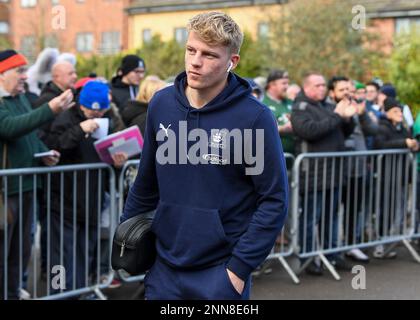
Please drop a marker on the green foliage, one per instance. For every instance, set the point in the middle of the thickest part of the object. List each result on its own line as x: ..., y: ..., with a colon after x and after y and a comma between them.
x: 404, y: 68
x: 163, y: 59
x: 254, y: 57
x: 317, y: 35
x: 4, y: 43
x: 102, y: 65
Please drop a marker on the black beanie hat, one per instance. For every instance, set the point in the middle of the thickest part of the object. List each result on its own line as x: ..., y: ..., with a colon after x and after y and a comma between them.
x: 131, y: 62
x: 390, y: 103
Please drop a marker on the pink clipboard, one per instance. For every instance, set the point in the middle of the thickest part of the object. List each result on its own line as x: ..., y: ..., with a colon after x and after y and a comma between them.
x: 119, y: 140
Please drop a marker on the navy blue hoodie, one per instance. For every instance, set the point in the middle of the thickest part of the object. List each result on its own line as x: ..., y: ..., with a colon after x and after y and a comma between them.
x: 213, y: 212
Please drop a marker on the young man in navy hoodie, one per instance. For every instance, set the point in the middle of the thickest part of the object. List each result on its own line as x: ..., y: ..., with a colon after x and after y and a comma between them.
x: 217, y: 216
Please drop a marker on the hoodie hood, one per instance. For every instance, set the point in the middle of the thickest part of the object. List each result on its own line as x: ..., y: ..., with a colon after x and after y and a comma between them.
x: 236, y: 88
x: 122, y: 92
x: 118, y: 83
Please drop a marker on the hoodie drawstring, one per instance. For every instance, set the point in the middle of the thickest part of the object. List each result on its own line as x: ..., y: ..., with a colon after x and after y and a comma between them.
x: 133, y: 93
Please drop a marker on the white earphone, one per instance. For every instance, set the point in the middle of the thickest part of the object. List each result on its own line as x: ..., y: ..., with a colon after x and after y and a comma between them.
x: 230, y: 67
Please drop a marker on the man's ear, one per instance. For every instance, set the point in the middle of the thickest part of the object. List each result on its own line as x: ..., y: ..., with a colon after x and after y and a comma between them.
x: 234, y: 60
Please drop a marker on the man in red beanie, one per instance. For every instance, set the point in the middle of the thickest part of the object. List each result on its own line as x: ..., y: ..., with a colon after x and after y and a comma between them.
x: 18, y: 144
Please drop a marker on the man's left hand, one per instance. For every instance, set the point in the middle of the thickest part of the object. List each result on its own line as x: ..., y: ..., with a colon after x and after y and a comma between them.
x: 237, y: 282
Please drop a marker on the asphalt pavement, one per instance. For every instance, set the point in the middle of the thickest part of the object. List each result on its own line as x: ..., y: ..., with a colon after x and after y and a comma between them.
x: 397, y: 278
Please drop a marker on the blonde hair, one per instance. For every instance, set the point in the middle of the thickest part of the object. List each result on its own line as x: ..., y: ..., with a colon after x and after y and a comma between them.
x: 217, y: 28
x: 148, y: 88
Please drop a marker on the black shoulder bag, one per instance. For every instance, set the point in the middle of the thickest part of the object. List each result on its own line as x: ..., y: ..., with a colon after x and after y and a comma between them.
x: 134, y: 248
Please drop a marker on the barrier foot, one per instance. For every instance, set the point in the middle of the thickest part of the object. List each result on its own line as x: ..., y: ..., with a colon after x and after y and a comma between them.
x: 329, y: 266
x: 289, y: 270
x: 412, y: 250
x: 303, y: 267
x: 99, y: 293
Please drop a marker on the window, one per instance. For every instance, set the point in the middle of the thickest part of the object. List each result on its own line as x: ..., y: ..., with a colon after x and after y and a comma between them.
x: 27, y: 47
x: 263, y: 30
x: 405, y: 24
x: 4, y: 27
x: 110, y: 42
x: 181, y: 35
x: 84, y: 42
x: 28, y: 3
x: 51, y: 41
x: 147, y: 35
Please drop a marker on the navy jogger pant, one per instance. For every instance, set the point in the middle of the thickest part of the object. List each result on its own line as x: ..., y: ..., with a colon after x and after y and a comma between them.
x: 165, y: 283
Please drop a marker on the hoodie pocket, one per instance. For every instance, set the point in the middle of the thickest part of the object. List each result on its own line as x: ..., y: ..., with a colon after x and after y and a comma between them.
x: 189, y: 236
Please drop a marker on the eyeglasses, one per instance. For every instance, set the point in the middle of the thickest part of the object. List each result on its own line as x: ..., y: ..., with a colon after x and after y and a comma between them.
x: 22, y: 70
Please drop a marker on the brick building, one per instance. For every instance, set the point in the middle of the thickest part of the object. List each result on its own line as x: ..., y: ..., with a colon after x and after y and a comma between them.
x: 390, y: 17
x: 108, y: 26
x: 168, y: 17
x: 77, y: 26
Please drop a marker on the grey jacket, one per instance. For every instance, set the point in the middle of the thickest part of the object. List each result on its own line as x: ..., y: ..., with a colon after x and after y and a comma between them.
x: 364, y: 126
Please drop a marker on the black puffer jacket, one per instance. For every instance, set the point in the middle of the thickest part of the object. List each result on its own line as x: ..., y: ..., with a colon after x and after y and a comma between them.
x: 390, y: 136
x: 49, y: 92
x: 122, y: 92
x: 135, y: 114
x: 77, y: 148
x: 393, y: 168
x: 319, y: 129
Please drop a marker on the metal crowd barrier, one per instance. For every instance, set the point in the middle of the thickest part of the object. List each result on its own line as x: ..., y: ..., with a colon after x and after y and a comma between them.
x: 125, y: 181
x: 363, y: 199
x: 75, y: 253
x: 279, y: 252
x: 352, y: 200
x: 287, y: 237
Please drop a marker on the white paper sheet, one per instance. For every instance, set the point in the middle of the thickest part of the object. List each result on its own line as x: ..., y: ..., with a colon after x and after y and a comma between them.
x: 102, y: 131
x: 44, y: 154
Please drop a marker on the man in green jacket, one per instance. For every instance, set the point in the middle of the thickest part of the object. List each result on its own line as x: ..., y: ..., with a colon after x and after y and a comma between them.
x: 276, y: 99
x: 416, y: 134
x: 18, y: 144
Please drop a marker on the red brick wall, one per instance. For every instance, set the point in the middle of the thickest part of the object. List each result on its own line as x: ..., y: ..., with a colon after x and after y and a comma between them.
x: 385, y: 28
x: 95, y: 16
